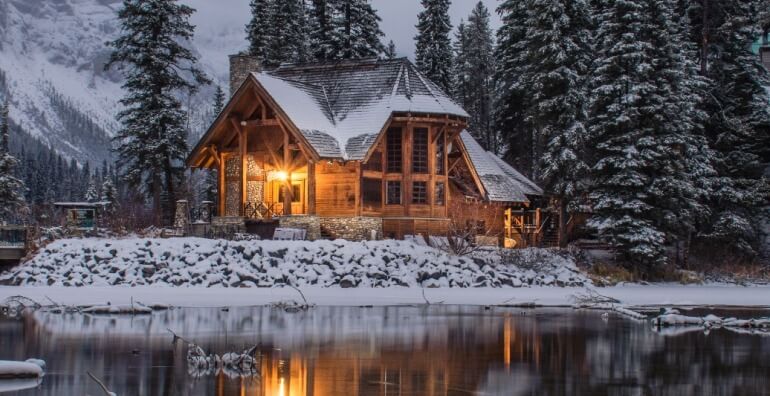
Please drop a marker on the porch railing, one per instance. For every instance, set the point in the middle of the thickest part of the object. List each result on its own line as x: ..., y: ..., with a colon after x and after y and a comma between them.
x: 262, y: 211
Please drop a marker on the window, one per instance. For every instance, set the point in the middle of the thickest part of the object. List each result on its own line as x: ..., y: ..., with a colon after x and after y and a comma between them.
x: 375, y: 162
x: 420, y: 150
x: 394, y: 192
x: 372, y: 192
x: 394, y: 150
x: 419, y: 192
x: 295, y: 190
x: 439, y: 194
x: 440, y: 154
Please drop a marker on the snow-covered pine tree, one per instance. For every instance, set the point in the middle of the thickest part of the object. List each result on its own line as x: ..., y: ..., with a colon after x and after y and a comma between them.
x: 259, y: 30
x: 288, y: 39
x: 219, y: 102
x: 558, y: 52
x: 390, y: 51
x: 684, y: 171
x: 358, y: 30
x: 511, y: 62
x: 477, y: 74
x: 626, y: 151
x: 150, y: 52
x: 433, y: 53
x: 12, y: 202
x: 738, y: 125
x: 92, y: 193
x: 110, y: 194
x: 323, y: 35
x: 459, y: 65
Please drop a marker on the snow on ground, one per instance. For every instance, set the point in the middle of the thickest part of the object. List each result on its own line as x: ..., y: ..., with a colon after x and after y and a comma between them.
x: 633, y: 296
x: 206, y: 263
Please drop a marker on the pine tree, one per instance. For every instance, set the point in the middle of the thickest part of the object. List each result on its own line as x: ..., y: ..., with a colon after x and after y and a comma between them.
x: 12, y: 202
x: 625, y: 152
x: 390, y: 52
x: 558, y: 53
x: 219, y: 102
x: 259, y: 29
x: 358, y: 31
x: 434, y: 48
x: 287, y: 41
x: 460, y: 65
x: 323, y: 32
x: 110, y: 194
x: 511, y: 63
x: 476, y: 73
x: 92, y: 192
x: 151, y: 54
x: 738, y: 125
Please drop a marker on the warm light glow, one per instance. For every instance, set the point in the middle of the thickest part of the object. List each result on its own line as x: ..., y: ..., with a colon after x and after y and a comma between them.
x: 282, y: 388
x: 281, y: 175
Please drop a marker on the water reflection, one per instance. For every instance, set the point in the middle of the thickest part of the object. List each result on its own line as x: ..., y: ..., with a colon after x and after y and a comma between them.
x: 388, y: 351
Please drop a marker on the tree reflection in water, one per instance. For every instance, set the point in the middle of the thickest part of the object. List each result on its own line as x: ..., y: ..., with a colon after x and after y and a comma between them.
x: 388, y: 351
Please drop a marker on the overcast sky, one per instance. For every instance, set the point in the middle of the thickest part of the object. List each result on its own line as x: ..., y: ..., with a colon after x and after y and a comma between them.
x: 398, y: 17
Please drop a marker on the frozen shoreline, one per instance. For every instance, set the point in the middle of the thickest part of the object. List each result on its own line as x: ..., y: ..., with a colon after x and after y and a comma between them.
x: 629, y: 295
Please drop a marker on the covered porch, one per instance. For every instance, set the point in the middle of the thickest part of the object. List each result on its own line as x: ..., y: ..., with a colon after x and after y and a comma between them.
x: 265, y: 168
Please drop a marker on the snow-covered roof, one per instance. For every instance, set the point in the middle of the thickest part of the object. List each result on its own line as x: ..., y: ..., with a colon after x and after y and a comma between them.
x: 501, y: 181
x: 341, y: 108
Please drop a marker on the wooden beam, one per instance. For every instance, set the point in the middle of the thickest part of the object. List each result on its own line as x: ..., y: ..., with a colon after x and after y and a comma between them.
x: 287, y: 197
x: 311, y: 183
x: 455, y: 163
x: 214, y: 153
x: 221, y: 190
x: 260, y: 123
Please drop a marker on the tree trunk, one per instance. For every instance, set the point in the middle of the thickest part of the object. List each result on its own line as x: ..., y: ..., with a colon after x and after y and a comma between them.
x: 156, y: 204
x: 169, y: 171
x: 563, y: 237
x: 705, y: 37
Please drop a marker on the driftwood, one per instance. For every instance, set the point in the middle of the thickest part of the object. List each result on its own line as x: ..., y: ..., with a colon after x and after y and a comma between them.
x: 101, y: 385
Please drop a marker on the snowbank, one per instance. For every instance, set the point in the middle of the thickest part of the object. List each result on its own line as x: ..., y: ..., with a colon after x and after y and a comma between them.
x: 226, y: 264
x: 32, y: 368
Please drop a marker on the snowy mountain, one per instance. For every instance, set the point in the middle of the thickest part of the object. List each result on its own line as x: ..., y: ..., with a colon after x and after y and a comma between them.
x: 52, y: 55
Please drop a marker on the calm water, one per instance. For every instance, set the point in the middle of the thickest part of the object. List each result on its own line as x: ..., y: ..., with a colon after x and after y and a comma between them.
x: 389, y: 351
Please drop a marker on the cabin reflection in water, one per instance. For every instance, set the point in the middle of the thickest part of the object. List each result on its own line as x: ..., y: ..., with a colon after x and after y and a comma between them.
x: 366, y: 370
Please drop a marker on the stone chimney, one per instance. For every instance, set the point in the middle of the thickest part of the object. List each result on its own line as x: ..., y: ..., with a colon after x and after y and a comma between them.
x: 240, y: 67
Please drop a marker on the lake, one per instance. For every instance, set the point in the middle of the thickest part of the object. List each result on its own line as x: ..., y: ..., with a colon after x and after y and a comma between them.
x: 423, y: 350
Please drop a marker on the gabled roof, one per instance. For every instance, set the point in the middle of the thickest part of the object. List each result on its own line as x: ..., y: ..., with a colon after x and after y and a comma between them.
x: 501, y: 181
x: 341, y: 107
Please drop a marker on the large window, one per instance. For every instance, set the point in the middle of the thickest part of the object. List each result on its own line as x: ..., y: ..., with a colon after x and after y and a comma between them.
x: 296, y: 192
x: 438, y: 194
x: 440, y: 154
x: 394, y: 150
x: 420, y: 150
x: 394, y: 192
x: 372, y: 192
x: 375, y: 162
x: 420, y: 192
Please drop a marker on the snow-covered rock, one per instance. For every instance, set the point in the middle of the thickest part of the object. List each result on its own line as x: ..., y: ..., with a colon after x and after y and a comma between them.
x: 15, y: 370
x: 219, y: 263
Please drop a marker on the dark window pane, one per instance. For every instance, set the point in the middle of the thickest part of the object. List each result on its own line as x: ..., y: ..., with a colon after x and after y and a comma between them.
x: 295, y: 190
x: 394, y: 192
x: 440, y: 154
x: 375, y: 162
x: 420, y: 150
x: 439, y: 193
x: 394, y: 150
x: 420, y: 192
x: 372, y: 192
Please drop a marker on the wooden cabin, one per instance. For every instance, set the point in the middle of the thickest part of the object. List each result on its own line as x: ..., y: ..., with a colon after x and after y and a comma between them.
x: 358, y: 150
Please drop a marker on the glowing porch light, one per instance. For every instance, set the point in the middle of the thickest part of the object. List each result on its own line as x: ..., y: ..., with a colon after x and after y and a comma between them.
x: 281, y: 175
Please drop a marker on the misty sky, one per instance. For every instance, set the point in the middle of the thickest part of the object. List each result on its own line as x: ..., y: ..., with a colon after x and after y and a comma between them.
x: 398, y: 17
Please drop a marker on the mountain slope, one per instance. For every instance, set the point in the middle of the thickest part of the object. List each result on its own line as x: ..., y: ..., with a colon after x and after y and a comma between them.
x: 52, y: 55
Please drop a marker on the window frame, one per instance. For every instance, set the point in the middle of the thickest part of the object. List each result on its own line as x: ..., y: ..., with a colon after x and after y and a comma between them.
x: 388, y: 187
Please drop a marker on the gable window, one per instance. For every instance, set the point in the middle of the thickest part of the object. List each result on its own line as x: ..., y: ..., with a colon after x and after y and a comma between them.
x: 375, y: 162
x: 420, y: 192
x: 440, y: 153
x: 438, y: 193
x: 372, y: 192
x: 394, y: 155
x: 394, y: 192
x: 420, y: 150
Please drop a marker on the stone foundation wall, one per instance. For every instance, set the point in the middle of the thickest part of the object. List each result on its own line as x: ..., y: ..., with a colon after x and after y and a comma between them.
x: 351, y: 228
x: 225, y: 227
x: 311, y: 224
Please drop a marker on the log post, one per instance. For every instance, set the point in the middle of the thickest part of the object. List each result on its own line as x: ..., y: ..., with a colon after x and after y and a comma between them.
x: 310, y: 187
x: 287, y: 196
